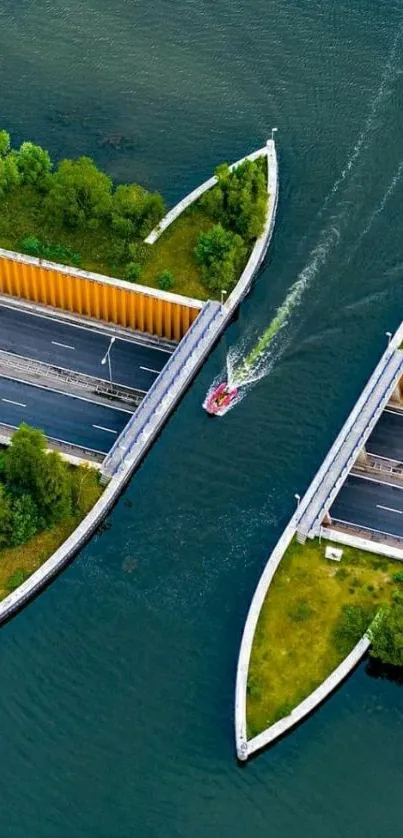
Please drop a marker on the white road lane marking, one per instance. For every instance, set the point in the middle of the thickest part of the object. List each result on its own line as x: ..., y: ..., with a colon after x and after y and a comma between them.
x: 101, y: 428
x: 63, y: 345
x: 147, y: 369
x: 10, y: 401
x: 389, y: 509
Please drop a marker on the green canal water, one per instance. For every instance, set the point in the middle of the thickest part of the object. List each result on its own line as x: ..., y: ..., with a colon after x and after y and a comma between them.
x: 117, y: 683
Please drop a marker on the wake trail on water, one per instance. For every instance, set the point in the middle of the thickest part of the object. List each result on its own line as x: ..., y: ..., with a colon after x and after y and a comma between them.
x: 243, y: 371
x: 378, y: 211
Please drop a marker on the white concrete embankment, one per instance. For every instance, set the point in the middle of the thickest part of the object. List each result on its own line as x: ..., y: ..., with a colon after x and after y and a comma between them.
x: 159, y: 412
x: 312, y: 701
x: 245, y: 747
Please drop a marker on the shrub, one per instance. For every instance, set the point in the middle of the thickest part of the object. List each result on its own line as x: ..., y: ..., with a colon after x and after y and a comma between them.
x: 5, y: 143
x: 79, y: 193
x: 132, y: 271
x: 24, y: 519
x: 34, y: 164
x: 219, y: 253
x: 6, y: 518
x: 398, y: 577
x: 166, y: 281
x: 239, y: 200
x: 31, y: 245
x: 301, y: 612
x: 341, y: 573
x: 387, y: 641
x: 352, y: 624
x: 16, y: 579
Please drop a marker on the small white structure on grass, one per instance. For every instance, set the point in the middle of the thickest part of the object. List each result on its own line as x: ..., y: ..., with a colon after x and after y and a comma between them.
x: 334, y: 553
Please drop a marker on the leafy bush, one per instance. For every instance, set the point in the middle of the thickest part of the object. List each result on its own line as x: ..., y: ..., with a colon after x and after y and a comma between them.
x: 398, y: 577
x: 387, y: 640
x: 132, y: 271
x: 34, y: 164
x: 301, y: 612
x: 79, y: 193
x: 16, y: 579
x: 5, y: 143
x: 219, y: 253
x: 6, y: 518
x: 25, y: 519
x: 135, y: 211
x: 239, y: 200
x: 53, y: 252
x: 166, y: 281
x: 9, y: 174
x: 341, y: 573
x: 353, y: 622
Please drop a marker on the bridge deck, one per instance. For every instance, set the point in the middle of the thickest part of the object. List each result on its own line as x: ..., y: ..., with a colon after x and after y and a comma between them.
x: 350, y: 441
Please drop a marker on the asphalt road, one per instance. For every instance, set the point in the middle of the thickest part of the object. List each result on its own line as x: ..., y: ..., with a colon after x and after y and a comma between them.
x: 71, y: 419
x: 387, y: 437
x: 370, y: 504
x: 78, y: 348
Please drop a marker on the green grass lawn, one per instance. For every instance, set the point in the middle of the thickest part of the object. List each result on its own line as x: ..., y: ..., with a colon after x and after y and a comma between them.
x: 17, y: 563
x: 293, y: 649
x: 174, y: 251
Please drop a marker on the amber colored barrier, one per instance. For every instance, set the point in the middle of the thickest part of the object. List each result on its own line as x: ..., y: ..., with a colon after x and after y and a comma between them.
x: 113, y: 300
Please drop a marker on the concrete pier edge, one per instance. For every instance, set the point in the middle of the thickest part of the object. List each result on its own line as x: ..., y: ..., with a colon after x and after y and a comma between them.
x: 52, y: 566
x: 246, y: 747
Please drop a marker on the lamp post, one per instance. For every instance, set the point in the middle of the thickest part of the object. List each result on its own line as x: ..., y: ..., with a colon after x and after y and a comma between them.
x: 107, y: 358
x: 223, y: 294
x: 389, y: 336
x: 298, y: 499
x: 273, y: 131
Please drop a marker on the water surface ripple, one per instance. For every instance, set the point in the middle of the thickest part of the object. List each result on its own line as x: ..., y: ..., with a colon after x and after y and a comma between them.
x: 117, y: 682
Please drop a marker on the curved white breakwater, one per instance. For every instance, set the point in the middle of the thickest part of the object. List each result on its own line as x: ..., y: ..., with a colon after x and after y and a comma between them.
x: 245, y: 747
x: 158, y: 413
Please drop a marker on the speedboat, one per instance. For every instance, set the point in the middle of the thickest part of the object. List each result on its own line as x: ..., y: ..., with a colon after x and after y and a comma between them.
x: 218, y: 402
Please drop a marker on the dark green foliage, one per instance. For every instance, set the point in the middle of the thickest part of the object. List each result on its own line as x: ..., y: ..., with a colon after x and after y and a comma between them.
x: 6, y: 518
x: 387, y: 644
x: 5, y: 143
x: 341, y: 573
x: 353, y: 622
x: 9, y: 174
x: 301, y: 612
x: 34, y: 164
x: 135, y: 211
x: 16, y: 579
x: 220, y: 254
x: 30, y: 470
x: 132, y: 271
x: 52, y: 252
x: 79, y: 194
x: 166, y: 281
x: 398, y: 577
x: 239, y: 200
x: 25, y: 519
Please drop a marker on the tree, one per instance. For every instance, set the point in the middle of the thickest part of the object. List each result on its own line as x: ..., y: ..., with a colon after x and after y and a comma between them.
x: 239, y: 199
x: 135, y: 211
x: 6, y: 522
x: 9, y: 174
x: 5, y: 143
x: 25, y: 521
x: 34, y: 164
x: 30, y: 470
x: 220, y: 254
x: 353, y: 622
x: 24, y: 457
x: 79, y: 194
x: 387, y: 642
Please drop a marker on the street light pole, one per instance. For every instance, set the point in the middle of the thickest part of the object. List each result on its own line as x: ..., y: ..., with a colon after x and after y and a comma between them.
x: 107, y: 358
x: 273, y: 131
x: 223, y: 294
x: 389, y: 336
x: 298, y: 499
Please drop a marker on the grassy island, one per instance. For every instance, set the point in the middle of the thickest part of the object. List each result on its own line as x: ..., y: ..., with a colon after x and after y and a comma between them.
x: 73, y: 214
x: 315, y: 612
x: 42, y: 500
